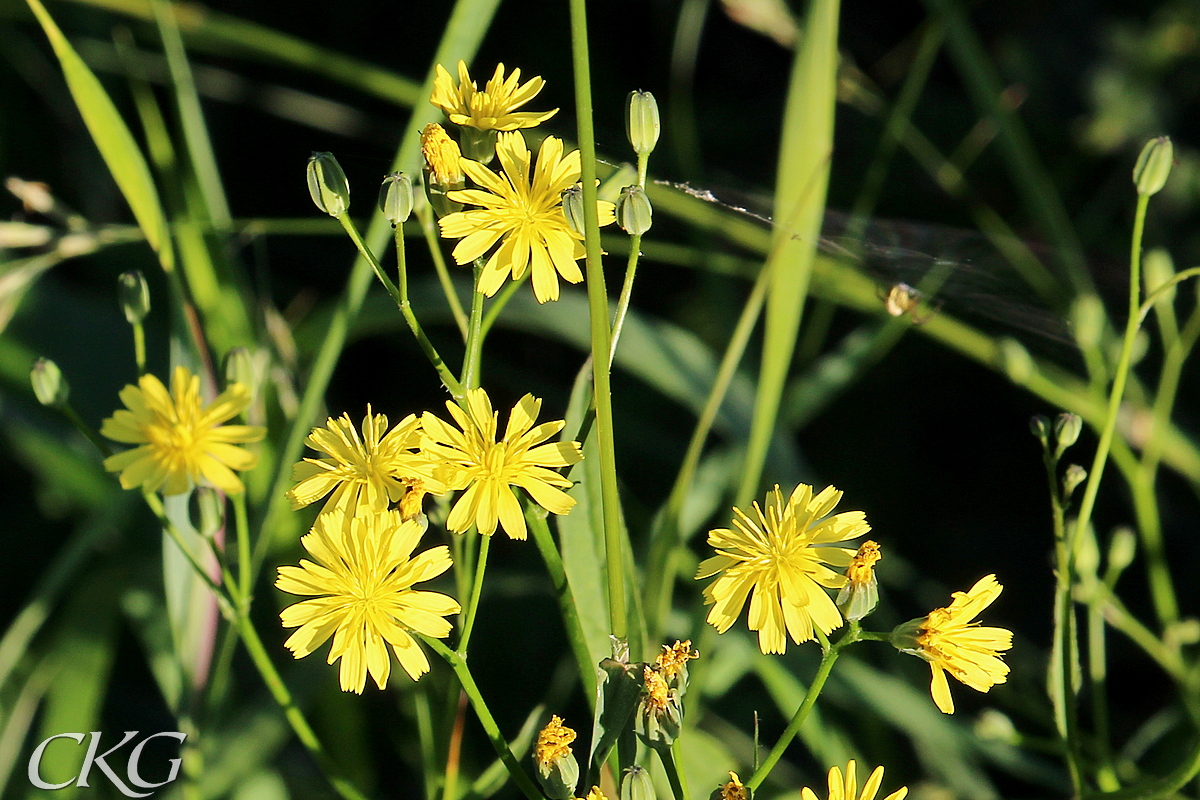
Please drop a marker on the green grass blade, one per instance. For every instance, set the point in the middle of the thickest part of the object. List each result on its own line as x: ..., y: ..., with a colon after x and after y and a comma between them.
x: 801, y: 182
x: 113, y: 138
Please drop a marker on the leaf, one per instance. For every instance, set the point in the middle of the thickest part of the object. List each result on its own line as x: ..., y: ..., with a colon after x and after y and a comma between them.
x: 112, y: 137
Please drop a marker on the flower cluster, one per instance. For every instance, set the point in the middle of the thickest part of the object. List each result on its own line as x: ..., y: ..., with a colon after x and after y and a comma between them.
x: 518, y: 213
x: 363, y: 571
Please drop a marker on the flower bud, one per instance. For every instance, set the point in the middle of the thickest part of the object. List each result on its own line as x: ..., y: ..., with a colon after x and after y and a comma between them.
x: 443, y: 170
x: 1087, y: 318
x: 1153, y: 166
x: 634, y: 211
x: 636, y: 784
x: 1039, y: 426
x: 49, y: 385
x: 572, y: 204
x: 1121, y: 550
x: 327, y: 184
x: 135, y: 296
x: 1066, y: 431
x: 396, y: 198
x: 641, y: 122
x: 1157, y: 270
x: 860, y: 595
x: 557, y: 770
x: 1018, y: 364
x: 1074, y: 476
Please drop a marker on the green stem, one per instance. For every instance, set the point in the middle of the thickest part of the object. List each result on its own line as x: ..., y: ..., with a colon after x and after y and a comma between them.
x: 493, y: 312
x: 223, y: 599
x: 476, y: 591
x: 599, y: 319
x: 828, y: 659
x: 245, y: 573
x: 674, y: 775
x: 73, y: 417
x: 425, y: 216
x: 1087, y: 504
x: 471, y: 361
x: 635, y: 243
x: 490, y: 728
x: 400, y: 297
x: 139, y: 347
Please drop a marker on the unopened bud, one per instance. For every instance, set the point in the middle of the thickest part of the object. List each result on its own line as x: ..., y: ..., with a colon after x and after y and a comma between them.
x: 135, y: 296
x: 634, y: 212
x: 1087, y: 318
x: 572, y: 205
x: 327, y: 184
x: 636, y: 784
x: 49, y: 385
x: 1018, y: 364
x: 1039, y: 426
x: 396, y: 198
x: 1157, y: 270
x: 1153, y: 166
x: 641, y: 122
x: 1121, y: 550
x: 1066, y: 431
x: 1074, y: 476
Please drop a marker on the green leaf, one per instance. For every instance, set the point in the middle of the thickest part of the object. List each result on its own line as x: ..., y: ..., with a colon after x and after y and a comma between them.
x: 113, y: 138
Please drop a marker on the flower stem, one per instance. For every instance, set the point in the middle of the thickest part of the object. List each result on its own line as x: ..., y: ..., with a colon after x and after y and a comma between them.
x: 828, y: 659
x: 471, y: 361
x: 510, y: 288
x: 73, y: 417
x: 598, y: 308
x: 635, y: 244
x: 476, y: 592
x: 459, y: 665
x: 424, y: 214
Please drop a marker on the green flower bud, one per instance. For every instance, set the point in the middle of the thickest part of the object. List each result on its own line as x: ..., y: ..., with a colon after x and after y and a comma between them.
x: 1121, y: 550
x: 1087, y: 318
x: 1039, y: 426
x: 1153, y: 166
x: 135, y: 296
x: 49, y: 385
x: 641, y: 122
x: 1074, y: 476
x: 1157, y: 270
x: 396, y: 198
x: 634, y: 212
x: 1018, y: 364
x: 572, y: 204
x: 636, y: 784
x: 327, y: 184
x: 1066, y: 431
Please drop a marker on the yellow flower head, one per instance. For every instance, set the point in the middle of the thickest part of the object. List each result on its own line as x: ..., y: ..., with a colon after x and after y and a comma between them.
x: 493, y: 109
x: 673, y: 659
x: 554, y: 741
x: 782, y: 556
x: 370, y: 470
x: 488, y: 469
x: 441, y: 157
x: 846, y: 788
x: 860, y: 595
x: 733, y: 789
x: 523, y: 211
x: 951, y: 642
x: 361, y: 587
x: 182, y: 441
x: 658, y: 694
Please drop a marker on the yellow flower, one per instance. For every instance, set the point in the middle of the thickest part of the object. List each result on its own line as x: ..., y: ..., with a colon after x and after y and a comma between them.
x: 733, y: 789
x: 361, y: 586
x: 673, y: 659
x: 782, y: 556
x: 847, y: 788
x: 488, y: 469
x: 554, y: 741
x: 369, y: 470
x: 181, y: 440
x: 493, y: 109
x: 441, y: 156
x: 951, y: 642
x: 523, y: 211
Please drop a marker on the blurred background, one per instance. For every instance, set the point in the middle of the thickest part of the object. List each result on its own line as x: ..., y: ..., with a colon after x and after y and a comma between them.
x: 932, y: 445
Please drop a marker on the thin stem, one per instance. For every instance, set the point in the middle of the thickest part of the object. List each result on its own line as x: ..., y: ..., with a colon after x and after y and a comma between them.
x: 635, y: 243
x: 223, y: 600
x: 424, y: 214
x: 674, y: 773
x: 139, y: 347
x: 1118, y: 387
x: 245, y: 573
x: 73, y: 417
x: 497, y: 305
x: 476, y: 591
x: 490, y: 728
x: 828, y: 659
x: 471, y: 361
x: 599, y: 318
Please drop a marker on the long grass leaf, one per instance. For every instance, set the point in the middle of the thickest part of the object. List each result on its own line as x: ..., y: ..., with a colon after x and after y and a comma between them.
x: 112, y: 137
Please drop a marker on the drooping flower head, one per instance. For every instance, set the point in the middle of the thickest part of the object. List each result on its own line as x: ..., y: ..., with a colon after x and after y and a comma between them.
x: 783, y: 556
x: 494, y: 108
x: 182, y: 441
x: 846, y: 788
x: 370, y: 470
x: 361, y: 586
x: 951, y: 641
x: 489, y: 469
x: 522, y: 210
